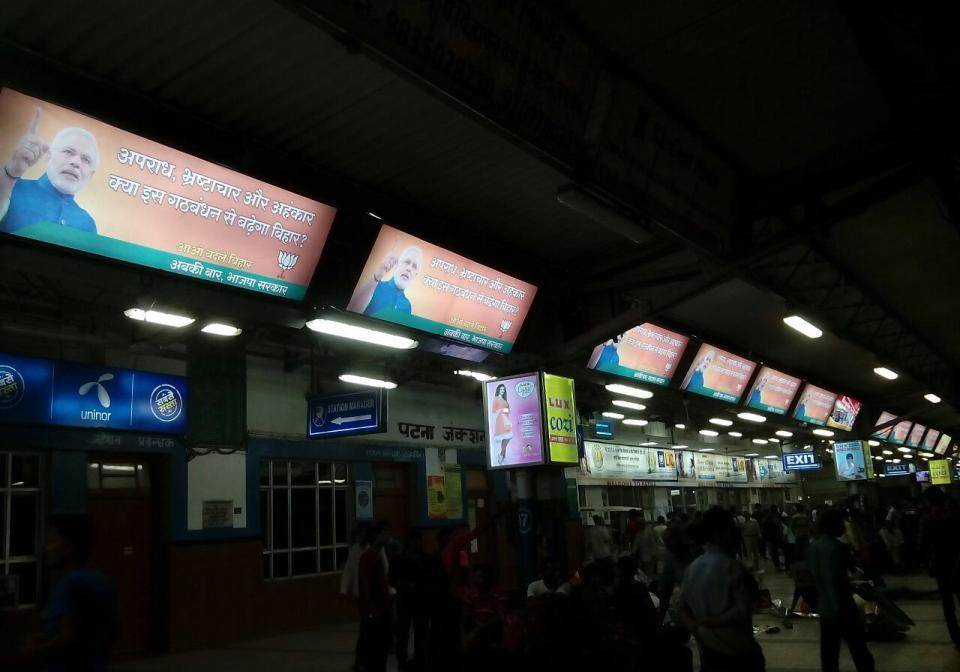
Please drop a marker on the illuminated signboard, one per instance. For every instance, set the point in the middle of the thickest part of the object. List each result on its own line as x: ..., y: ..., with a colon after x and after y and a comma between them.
x: 411, y: 282
x: 104, y: 191
x: 844, y: 414
x: 718, y: 374
x: 611, y: 460
x: 514, y: 411
x: 943, y: 444
x: 815, y: 405
x: 647, y: 353
x: 900, y: 432
x: 561, y: 418
x: 853, y: 461
x: 884, y: 418
x: 940, y: 472
x: 773, y: 391
x: 47, y: 392
x: 930, y: 440
x: 915, y: 436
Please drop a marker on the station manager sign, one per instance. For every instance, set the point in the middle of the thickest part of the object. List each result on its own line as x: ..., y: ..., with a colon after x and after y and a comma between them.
x: 44, y: 392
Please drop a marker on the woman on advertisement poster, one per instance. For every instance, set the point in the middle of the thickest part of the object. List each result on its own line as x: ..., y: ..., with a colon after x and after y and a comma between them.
x: 503, y: 427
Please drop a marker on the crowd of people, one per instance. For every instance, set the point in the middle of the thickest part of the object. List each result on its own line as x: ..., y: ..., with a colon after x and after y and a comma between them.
x: 651, y: 593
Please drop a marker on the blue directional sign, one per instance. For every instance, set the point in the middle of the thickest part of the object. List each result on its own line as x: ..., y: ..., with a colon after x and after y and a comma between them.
x: 603, y: 429
x: 347, y: 414
x: 902, y: 469
x: 46, y: 392
x: 801, y: 462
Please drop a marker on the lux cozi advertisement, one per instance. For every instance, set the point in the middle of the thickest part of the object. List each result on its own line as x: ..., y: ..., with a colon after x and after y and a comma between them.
x: 815, y: 405
x: 514, y: 412
x: 611, y: 460
x: 718, y: 374
x: 78, y: 183
x: 561, y: 418
x: 414, y: 283
x: 773, y: 391
x: 647, y: 353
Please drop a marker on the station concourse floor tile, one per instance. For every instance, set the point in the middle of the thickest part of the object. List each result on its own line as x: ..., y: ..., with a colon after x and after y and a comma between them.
x: 926, y: 648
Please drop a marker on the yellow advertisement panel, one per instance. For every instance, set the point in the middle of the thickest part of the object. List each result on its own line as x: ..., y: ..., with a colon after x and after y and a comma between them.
x: 561, y: 415
x: 940, y: 472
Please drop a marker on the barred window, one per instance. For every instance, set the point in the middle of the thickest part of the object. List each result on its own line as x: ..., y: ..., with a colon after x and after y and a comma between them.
x: 20, y: 533
x: 304, y: 514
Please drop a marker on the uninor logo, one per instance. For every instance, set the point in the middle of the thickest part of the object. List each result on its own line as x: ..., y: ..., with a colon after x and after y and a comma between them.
x: 102, y: 395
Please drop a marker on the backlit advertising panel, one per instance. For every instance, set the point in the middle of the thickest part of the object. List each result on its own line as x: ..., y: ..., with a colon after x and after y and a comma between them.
x: 900, y: 432
x: 514, y: 424
x: 561, y: 417
x: 852, y: 461
x: 884, y: 418
x: 930, y: 440
x: 612, y: 460
x: 915, y: 435
x: 414, y: 283
x: 647, y: 353
x: 81, y: 184
x: 844, y: 414
x: 943, y: 444
x: 718, y: 374
x: 773, y: 391
x: 940, y: 472
x: 815, y: 405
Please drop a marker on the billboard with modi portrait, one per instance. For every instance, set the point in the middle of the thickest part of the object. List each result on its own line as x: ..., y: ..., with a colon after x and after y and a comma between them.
x: 72, y: 181
x: 409, y: 281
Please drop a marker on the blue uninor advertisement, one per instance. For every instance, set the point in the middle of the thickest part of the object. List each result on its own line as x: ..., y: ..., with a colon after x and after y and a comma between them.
x: 46, y: 392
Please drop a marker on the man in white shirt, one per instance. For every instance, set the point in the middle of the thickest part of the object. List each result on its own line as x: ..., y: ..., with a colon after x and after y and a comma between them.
x: 551, y: 583
x: 598, y: 540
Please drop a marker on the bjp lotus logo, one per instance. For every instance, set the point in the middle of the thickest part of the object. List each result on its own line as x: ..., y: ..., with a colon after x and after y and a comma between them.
x: 505, y: 326
x: 286, y: 261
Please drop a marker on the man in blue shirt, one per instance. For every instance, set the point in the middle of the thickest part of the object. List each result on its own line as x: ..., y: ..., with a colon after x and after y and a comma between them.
x: 379, y: 294
x: 73, y: 158
x: 829, y: 559
x: 80, y: 620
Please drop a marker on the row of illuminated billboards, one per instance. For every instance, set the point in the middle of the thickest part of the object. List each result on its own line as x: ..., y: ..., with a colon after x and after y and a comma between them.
x: 912, y: 434
x: 652, y: 354
x: 84, y: 185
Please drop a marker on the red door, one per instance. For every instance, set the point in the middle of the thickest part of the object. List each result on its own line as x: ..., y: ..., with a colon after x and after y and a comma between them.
x: 124, y: 549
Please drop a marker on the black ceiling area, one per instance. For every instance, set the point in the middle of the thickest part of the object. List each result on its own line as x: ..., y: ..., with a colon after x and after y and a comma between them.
x: 806, y: 160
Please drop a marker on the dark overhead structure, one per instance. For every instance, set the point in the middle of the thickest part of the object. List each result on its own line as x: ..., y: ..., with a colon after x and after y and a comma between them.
x: 627, y: 158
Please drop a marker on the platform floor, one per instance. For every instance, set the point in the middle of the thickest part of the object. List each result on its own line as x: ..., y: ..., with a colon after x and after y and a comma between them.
x: 927, y: 647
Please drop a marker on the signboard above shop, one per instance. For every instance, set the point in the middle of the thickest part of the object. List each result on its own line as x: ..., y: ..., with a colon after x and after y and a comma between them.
x: 46, y: 392
x: 140, y: 202
x: 347, y: 414
x: 414, y: 283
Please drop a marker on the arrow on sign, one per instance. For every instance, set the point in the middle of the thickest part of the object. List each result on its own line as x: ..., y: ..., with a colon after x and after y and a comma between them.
x: 355, y: 418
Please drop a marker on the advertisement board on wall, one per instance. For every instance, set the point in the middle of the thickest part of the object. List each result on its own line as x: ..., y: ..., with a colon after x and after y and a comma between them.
x: 611, y: 460
x: 514, y: 410
x: 101, y: 190
x: 773, y: 391
x: 420, y: 285
x: 647, y: 353
x: 47, y: 392
x: 718, y: 374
